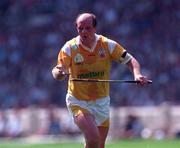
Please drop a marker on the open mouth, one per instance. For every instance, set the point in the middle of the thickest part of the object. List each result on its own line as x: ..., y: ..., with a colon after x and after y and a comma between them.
x: 84, y: 36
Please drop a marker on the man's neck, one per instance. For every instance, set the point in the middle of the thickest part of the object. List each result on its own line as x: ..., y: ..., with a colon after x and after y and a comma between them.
x: 89, y: 43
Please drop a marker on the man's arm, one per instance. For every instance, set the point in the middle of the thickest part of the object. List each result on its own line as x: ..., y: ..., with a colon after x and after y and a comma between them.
x: 60, y: 71
x: 135, y: 68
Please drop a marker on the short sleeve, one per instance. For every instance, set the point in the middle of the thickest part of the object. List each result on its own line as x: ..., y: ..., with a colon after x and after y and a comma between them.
x: 64, y: 56
x: 117, y: 51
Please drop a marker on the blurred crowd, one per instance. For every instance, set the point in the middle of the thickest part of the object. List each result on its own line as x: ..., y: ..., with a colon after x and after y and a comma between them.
x: 33, y: 31
x: 28, y: 122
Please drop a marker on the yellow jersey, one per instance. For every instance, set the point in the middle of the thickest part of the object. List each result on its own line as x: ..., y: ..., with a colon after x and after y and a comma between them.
x: 94, y: 63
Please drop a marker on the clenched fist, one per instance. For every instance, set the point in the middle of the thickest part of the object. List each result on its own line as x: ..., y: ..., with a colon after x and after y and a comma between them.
x: 59, y: 72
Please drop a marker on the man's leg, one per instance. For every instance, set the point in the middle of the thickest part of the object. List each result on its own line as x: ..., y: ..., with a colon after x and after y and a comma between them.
x: 86, y: 123
x: 103, y: 132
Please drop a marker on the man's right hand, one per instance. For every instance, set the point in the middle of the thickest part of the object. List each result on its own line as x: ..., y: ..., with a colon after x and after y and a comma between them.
x: 59, y: 72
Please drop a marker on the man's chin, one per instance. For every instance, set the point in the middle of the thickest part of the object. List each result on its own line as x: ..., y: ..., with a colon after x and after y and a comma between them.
x: 84, y: 37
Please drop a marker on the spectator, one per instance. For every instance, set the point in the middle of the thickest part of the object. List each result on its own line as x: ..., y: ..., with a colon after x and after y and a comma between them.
x: 133, y: 127
x: 54, y: 127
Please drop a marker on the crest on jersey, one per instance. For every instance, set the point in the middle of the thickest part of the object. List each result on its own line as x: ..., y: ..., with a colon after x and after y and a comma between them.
x: 78, y: 58
x: 101, y: 53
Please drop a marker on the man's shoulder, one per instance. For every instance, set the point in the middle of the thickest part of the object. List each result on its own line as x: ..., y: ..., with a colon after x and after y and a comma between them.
x: 107, y: 42
x: 72, y: 43
x: 104, y: 39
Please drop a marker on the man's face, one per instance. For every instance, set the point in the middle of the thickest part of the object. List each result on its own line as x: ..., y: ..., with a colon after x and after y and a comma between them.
x: 85, y: 28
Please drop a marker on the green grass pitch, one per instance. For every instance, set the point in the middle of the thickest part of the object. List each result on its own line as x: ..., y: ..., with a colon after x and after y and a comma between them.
x: 117, y: 144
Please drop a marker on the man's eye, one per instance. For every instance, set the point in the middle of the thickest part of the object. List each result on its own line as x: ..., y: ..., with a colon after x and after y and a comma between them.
x: 80, y: 29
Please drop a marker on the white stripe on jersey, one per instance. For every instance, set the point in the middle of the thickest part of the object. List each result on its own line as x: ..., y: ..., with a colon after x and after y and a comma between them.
x: 111, y: 45
x: 126, y: 59
x: 66, y: 49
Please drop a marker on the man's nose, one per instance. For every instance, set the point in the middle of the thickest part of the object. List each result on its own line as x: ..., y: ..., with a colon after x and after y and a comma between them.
x: 84, y: 30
